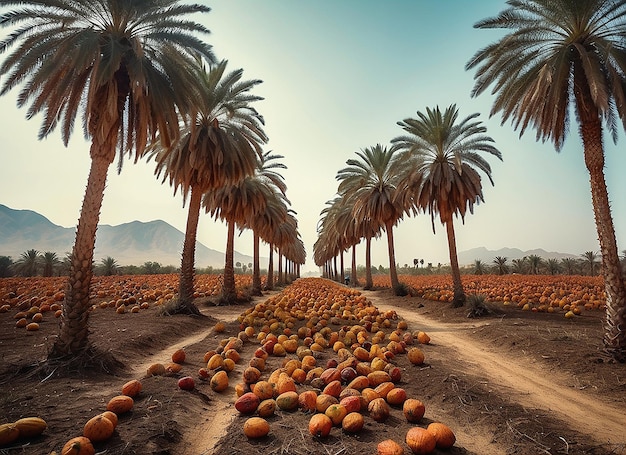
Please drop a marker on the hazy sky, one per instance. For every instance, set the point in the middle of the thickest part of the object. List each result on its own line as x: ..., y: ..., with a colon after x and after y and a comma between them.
x: 337, y: 76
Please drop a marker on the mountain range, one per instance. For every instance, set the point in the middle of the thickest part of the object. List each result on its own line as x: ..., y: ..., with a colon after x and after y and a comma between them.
x: 137, y: 242
x: 131, y: 243
x: 468, y: 257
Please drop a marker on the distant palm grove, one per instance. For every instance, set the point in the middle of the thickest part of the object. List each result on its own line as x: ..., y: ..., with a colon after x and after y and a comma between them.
x: 33, y: 263
x: 147, y: 85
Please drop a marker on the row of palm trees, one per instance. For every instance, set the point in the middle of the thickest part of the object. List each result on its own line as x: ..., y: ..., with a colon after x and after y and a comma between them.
x: 31, y: 263
x: 533, y: 264
x: 556, y: 58
x: 433, y: 168
x: 147, y: 84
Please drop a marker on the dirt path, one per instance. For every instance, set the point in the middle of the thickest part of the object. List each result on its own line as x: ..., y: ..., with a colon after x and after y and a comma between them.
x: 201, y: 438
x: 527, y: 384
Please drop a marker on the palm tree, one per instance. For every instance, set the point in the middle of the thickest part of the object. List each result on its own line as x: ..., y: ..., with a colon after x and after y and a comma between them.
x: 151, y: 268
x: 590, y: 260
x: 219, y: 144
x: 569, y: 265
x: 444, y: 178
x: 534, y: 263
x: 28, y: 263
x: 480, y: 267
x: 237, y: 205
x: 561, y: 54
x: 519, y: 265
x: 372, y: 182
x: 272, y: 186
x: 288, y: 244
x: 553, y: 266
x: 126, y: 66
x: 264, y: 226
x: 108, y: 266
x: 500, y: 265
x: 337, y: 232
x: 6, y: 264
x: 50, y: 261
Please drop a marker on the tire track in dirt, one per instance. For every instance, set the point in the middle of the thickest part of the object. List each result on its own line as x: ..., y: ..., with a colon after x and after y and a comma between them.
x: 525, y: 384
x: 202, y: 438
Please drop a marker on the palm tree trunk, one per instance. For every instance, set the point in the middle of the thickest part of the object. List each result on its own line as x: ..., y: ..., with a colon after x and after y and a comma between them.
x: 73, y: 331
x: 185, y: 285
x: 393, y: 272
x: 280, y: 268
x: 459, y: 294
x: 369, y: 282
x: 354, y: 278
x: 342, y: 267
x: 269, y: 285
x: 591, y: 133
x: 256, y: 269
x: 228, y: 291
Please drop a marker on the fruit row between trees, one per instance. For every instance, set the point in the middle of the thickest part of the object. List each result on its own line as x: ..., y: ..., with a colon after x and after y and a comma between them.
x: 339, y: 369
x: 530, y: 292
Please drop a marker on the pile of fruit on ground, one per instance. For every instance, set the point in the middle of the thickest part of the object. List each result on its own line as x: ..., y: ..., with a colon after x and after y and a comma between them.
x: 330, y: 364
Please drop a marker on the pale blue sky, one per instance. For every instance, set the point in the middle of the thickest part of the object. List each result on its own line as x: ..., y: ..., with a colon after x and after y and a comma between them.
x: 337, y: 76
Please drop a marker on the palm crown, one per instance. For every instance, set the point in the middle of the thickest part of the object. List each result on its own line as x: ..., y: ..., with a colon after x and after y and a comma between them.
x: 106, y: 56
x: 443, y: 177
x: 533, y: 66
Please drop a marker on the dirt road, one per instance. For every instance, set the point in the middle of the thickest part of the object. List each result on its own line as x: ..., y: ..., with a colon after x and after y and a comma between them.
x: 516, y: 379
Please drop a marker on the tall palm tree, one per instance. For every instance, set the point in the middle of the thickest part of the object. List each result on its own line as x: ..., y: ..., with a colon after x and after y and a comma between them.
x: 444, y: 178
x: 500, y: 265
x: 28, y: 263
x: 561, y: 54
x: 237, y: 205
x: 271, y: 185
x: 125, y: 64
x: 336, y: 233
x: 219, y: 144
x: 264, y: 226
x: 50, y: 261
x: 590, y: 260
x: 371, y: 180
x: 288, y: 244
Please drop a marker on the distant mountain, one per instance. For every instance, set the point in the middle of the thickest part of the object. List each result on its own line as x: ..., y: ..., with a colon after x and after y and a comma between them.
x: 487, y: 256
x: 130, y: 243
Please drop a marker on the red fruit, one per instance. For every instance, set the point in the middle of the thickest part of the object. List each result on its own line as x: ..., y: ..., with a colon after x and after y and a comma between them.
x: 348, y: 374
x: 186, y: 383
x: 247, y: 403
x: 204, y: 373
x: 351, y: 403
x: 395, y: 374
x: 269, y: 346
